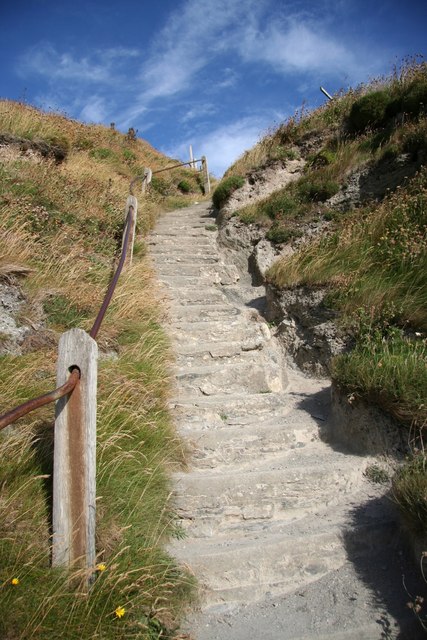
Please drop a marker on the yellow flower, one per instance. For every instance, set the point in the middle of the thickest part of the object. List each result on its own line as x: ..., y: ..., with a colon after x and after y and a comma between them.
x: 14, y: 581
x: 101, y: 566
x: 120, y: 612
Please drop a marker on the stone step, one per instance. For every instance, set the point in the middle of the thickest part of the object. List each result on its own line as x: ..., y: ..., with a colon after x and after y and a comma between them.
x: 165, y: 257
x: 183, y: 232
x: 240, y: 445
x: 202, y: 312
x: 255, y: 377
x: 238, y: 409
x: 208, y: 296
x: 252, y: 336
x: 274, y: 488
x: 247, y: 571
x: 279, y: 561
x: 194, y: 269
x: 226, y: 349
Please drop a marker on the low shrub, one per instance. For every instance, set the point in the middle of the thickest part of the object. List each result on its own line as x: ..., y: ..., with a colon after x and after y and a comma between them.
x: 184, y: 186
x: 415, y: 99
x: 317, y: 189
x: 102, y: 153
x: 280, y: 204
x: 369, y: 111
x: 409, y: 492
x: 279, y: 234
x: 225, y: 188
x: 160, y: 185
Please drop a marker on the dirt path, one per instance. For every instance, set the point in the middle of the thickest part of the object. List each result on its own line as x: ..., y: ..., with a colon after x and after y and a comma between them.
x: 283, y: 531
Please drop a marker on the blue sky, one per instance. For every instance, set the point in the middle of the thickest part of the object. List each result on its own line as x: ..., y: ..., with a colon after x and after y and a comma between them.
x: 216, y: 74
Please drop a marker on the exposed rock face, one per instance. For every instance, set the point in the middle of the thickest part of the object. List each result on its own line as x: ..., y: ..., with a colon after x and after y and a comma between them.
x: 11, y: 334
x: 39, y: 146
x: 263, y: 182
x: 306, y: 327
x: 373, y: 182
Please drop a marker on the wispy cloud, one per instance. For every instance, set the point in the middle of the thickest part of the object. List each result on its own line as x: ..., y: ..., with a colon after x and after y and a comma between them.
x: 199, y: 111
x: 296, y: 47
x: 100, y: 67
x: 95, y: 110
x: 223, y: 145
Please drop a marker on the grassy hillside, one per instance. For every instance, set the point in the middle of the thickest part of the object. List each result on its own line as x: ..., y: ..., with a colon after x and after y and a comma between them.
x: 63, y: 187
x: 372, y: 256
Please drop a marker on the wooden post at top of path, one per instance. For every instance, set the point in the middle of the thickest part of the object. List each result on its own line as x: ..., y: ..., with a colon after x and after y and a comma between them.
x: 74, y: 465
x: 205, y: 171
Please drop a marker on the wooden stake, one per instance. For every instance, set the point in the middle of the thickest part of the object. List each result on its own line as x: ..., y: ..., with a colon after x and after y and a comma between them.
x: 74, y: 467
x: 131, y: 202
x: 207, y: 182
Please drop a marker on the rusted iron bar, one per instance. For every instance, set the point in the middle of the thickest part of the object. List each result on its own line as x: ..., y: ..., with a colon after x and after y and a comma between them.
x: 175, y: 166
x: 52, y: 396
x: 99, y: 318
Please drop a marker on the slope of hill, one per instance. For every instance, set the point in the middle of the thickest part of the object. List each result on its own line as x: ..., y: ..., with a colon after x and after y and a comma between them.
x: 330, y: 212
x: 63, y: 188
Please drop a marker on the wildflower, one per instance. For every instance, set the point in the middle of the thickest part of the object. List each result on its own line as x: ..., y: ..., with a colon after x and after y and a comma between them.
x: 14, y: 581
x: 120, y: 612
x: 101, y: 566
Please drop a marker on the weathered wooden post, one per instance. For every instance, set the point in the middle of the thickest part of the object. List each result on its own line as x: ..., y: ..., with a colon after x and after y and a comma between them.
x: 148, y: 174
x: 192, y: 163
x: 206, y: 180
x: 74, y: 466
x: 132, y: 209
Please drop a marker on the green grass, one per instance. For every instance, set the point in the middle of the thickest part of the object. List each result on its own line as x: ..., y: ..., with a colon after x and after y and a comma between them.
x: 409, y: 492
x: 225, y: 188
x: 64, y: 222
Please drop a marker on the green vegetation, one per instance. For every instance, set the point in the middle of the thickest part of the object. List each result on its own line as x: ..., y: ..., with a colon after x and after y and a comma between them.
x: 372, y: 259
x: 184, y: 186
x: 409, y: 492
x: 225, y: 188
x: 61, y: 225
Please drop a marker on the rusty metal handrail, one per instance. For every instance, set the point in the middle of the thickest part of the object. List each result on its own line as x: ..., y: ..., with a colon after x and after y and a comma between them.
x: 13, y: 415
x: 175, y: 166
x: 99, y: 318
x: 22, y: 410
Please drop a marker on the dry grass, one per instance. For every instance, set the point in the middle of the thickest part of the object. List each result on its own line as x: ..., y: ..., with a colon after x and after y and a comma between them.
x: 60, y: 234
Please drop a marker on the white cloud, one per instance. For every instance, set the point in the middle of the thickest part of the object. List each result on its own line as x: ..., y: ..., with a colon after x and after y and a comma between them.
x: 223, y: 145
x: 94, y: 110
x: 99, y: 68
x: 199, y: 111
x: 296, y: 47
x: 190, y: 40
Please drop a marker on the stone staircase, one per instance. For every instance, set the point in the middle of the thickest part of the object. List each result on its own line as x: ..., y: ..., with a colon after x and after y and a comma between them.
x: 268, y: 506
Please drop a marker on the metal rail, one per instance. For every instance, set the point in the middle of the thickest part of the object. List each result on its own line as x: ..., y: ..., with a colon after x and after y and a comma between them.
x: 175, y: 166
x: 22, y: 410
x: 13, y: 415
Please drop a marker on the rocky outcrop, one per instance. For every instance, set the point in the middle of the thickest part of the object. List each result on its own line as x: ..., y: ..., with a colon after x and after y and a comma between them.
x: 44, y: 148
x: 261, y: 183
x: 306, y: 327
x: 372, y: 182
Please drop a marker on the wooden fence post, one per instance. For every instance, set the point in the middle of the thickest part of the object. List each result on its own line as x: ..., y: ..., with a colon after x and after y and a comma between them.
x: 131, y: 204
x: 148, y: 174
x: 206, y: 181
x: 74, y: 466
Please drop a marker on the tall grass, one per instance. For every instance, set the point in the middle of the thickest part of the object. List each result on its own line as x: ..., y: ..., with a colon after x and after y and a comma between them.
x: 61, y: 229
